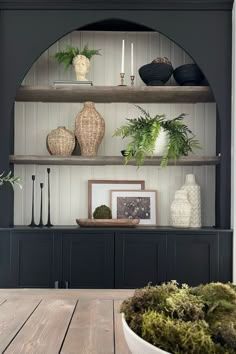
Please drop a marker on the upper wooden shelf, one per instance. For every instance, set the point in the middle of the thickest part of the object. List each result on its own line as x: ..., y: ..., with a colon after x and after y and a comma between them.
x: 109, y: 160
x: 109, y: 94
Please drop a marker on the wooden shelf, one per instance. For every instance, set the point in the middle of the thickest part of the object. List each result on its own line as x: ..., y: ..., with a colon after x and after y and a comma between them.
x: 109, y: 160
x: 109, y: 94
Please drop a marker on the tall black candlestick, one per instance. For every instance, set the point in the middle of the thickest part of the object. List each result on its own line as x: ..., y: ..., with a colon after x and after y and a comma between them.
x: 49, y: 224
x: 32, y: 224
x: 41, y: 207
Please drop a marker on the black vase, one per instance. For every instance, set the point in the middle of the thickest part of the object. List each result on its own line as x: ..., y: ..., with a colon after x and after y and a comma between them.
x: 155, y: 74
x: 188, y: 75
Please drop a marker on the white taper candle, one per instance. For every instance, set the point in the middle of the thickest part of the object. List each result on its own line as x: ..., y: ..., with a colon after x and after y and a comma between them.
x: 132, y: 59
x: 123, y: 57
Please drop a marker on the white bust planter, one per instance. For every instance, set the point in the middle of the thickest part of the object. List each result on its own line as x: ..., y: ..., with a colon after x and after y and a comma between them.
x: 81, y: 66
x: 136, y: 344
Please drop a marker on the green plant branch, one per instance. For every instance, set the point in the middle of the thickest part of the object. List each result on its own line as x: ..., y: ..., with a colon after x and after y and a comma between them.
x: 66, y: 56
x: 13, y: 180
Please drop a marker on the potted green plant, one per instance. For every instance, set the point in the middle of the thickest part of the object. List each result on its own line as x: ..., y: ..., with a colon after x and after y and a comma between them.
x: 78, y: 58
x: 146, y: 132
x: 181, y: 320
x: 8, y: 178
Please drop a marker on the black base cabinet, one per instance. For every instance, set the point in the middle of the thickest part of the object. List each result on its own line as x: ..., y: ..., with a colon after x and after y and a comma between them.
x: 191, y: 257
x: 113, y: 258
x: 5, y: 259
x: 199, y: 257
x: 33, y: 259
x: 140, y: 259
x: 88, y: 260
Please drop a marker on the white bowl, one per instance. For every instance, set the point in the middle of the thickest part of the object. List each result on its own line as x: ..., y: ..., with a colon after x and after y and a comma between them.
x: 136, y: 344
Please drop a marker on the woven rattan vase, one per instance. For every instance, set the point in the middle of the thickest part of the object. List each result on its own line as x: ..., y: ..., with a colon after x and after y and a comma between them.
x: 89, y: 129
x: 60, y: 141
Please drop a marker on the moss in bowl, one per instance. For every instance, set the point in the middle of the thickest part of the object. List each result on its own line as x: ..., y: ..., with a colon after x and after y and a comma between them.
x: 185, y: 320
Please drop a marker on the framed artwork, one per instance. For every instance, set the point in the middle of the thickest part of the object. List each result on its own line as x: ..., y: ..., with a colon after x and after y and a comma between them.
x: 99, y: 191
x: 135, y: 205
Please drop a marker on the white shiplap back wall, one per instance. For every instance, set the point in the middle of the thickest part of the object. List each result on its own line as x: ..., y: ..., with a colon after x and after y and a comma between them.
x: 33, y: 121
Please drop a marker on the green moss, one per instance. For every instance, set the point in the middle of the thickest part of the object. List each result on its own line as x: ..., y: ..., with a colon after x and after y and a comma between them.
x: 184, y: 320
x: 217, y: 295
x: 224, y: 330
x: 185, y: 306
x: 177, y: 336
x: 102, y: 212
x: 148, y: 298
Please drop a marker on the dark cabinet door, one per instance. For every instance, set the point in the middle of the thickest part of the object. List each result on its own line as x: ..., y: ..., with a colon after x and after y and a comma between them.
x: 5, y: 259
x: 140, y: 258
x: 226, y: 256
x: 34, y: 262
x: 88, y: 259
x: 193, y: 258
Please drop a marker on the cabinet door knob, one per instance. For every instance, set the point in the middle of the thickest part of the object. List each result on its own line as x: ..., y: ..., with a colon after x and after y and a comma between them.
x: 66, y: 284
x: 56, y: 284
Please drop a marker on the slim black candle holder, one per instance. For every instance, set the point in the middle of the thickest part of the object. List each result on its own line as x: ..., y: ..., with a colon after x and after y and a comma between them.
x: 41, y: 207
x: 49, y: 224
x: 32, y: 224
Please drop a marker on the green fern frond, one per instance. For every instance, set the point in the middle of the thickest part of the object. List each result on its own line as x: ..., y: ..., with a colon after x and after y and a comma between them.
x: 66, y: 56
x: 144, y: 131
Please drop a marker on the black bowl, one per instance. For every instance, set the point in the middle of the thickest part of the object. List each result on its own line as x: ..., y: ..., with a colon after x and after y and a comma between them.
x: 188, y: 75
x: 155, y: 74
x: 124, y: 153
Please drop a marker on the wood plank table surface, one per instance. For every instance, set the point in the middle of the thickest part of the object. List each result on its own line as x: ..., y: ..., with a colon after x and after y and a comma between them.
x: 53, y: 321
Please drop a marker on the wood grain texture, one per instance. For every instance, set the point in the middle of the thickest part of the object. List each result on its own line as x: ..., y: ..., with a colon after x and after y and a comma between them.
x: 120, y: 343
x: 74, y: 294
x: 109, y: 94
x: 110, y: 160
x: 13, y: 315
x: 45, y: 330
x: 91, y: 329
x: 107, y: 222
x: 2, y: 301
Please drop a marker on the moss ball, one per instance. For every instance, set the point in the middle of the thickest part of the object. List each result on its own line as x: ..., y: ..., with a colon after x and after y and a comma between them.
x: 102, y: 212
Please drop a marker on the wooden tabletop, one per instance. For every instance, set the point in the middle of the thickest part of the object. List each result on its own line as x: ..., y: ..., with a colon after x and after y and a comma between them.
x: 40, y: 321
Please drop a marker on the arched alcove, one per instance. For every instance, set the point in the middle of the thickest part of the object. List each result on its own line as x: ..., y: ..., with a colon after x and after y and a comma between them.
x: 33, y: 121
x: 201, y: 44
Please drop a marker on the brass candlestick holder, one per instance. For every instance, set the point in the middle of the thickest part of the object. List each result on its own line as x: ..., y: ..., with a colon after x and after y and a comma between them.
x: 132, y: 80
x: 122, y: 77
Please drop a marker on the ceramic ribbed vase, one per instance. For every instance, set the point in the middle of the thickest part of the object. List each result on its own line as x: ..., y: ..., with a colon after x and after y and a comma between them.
x: 60, y: 141
x: 180, y: 209
x: 194, y: 197
x: 89, y: 129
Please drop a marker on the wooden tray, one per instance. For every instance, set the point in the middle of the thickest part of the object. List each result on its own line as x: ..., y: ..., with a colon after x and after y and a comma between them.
x: 107, y: 222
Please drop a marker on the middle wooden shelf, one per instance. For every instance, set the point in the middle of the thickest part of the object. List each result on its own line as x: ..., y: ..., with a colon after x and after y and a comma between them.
x: 109, y: 160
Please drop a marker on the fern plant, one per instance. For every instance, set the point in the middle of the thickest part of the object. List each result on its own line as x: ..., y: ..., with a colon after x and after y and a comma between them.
x: 66, y: 57
x: 144, y: 132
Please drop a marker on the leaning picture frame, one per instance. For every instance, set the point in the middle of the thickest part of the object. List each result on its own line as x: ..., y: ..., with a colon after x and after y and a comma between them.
x: 99, y: 191
x: 133, y: 204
